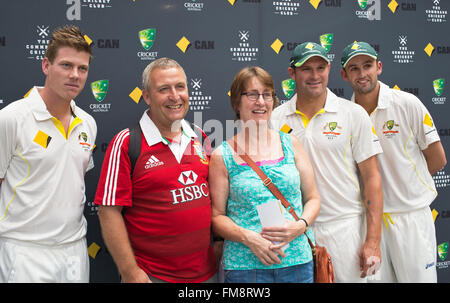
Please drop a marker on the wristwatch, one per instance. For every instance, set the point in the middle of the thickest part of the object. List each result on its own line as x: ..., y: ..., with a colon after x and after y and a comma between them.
x: 306, y: 223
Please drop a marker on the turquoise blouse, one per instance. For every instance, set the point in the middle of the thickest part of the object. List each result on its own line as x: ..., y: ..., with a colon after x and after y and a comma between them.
x: 247, y: 191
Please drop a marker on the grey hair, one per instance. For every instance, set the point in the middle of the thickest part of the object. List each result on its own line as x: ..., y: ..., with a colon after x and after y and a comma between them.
x: 163, y: 63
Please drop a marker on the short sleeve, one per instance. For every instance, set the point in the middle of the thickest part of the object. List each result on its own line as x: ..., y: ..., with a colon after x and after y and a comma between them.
x: 115, y: 186
x: 365, y: 142
x: 93, y: 125
x: 91, y: 163
x: 275, y: 118
x: 422, y: 123
x: 8, y: 133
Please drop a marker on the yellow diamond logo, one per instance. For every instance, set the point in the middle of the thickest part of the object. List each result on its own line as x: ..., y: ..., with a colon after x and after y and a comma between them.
x: 393, y: 6
x: 355, y: 46
x: 396, y: 87
x: 88, y: 40
x: 42, y: 139
x: 309, y: 46
x: 429, y: 49
x: 93, y: 250
x: 232, y: 1
x: 183, y: 44
x: 286, y: 129
x: 435, y: 213
x: 136, y: 95
x: 315, y: 3
x: 427, y: 120
x: 277, y: 45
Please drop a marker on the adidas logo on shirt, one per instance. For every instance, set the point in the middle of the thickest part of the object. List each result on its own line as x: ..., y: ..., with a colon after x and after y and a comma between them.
x: 153, y: 162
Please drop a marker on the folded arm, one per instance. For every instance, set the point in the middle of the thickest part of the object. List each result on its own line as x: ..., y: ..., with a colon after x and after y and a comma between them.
x: 435, y: 157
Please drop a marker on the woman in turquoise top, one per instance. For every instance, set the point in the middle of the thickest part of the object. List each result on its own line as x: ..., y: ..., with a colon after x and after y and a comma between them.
x: 253, y: 253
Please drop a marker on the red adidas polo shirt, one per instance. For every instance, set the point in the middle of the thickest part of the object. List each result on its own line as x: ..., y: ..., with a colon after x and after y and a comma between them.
x: 166, y: 202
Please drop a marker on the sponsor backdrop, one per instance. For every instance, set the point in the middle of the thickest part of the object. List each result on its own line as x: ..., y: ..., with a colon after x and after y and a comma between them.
x: 213, y: 39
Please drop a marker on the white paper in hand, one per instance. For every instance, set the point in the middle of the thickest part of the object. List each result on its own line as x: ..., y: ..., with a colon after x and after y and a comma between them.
x: 271, y: 214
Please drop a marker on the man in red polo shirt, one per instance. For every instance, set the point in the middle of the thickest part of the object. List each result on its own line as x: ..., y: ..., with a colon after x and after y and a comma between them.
x: 156, y: 217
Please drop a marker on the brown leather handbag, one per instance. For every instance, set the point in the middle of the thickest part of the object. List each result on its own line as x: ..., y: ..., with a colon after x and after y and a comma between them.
x: 323, y: 267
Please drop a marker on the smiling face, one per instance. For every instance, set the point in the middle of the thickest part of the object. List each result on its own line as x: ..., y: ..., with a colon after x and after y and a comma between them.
x: 67, y: 74
x: 167, y: 96
x: 362, y: 73
x: 311, y: 78
x: 259, y: 110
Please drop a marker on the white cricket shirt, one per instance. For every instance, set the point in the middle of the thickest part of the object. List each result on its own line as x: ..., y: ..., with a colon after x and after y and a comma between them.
x: 336, y: 139
x: 405, y: 128
x: 42, y: 195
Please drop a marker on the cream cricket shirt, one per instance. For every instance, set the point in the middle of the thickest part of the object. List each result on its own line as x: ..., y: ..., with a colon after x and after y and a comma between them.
x: 405, y: 128
x: 43, y: 193
x: 336, y: 139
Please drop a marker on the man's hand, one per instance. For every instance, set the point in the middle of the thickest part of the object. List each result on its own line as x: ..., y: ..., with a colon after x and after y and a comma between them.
x: 369, y: 259
x: 135, y: 275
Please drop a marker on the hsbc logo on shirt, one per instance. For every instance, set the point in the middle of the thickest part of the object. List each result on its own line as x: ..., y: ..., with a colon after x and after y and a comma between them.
x: 187, y: 177
x: 190, y: 191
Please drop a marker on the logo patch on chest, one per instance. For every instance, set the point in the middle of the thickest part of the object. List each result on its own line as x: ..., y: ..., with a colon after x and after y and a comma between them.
x: 390, y: 128
x: 332, y: 130
x: 187, y: 177
x: 190, y: 191
x: 153, y: 162
x: 82, y: 139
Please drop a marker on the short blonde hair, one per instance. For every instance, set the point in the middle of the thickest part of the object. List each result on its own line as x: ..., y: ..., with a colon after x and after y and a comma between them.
x: 67, y: 35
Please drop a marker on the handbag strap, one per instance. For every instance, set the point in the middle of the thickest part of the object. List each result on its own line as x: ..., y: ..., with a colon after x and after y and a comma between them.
x: 269, y: 184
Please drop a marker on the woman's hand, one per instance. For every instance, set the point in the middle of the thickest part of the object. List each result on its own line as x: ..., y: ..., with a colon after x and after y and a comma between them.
x: 261, y: 248
x: 282, y: 235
